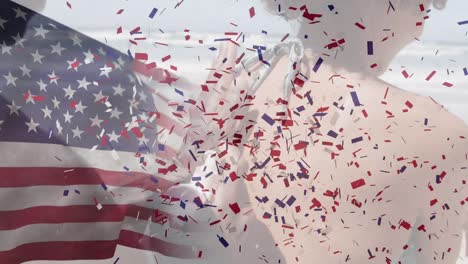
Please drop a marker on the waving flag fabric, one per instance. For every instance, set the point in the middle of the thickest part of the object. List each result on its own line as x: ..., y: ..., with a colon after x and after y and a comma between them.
x: 77, y: 146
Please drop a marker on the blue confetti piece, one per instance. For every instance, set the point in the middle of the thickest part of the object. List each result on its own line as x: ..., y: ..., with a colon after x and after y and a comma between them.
x: 309, y: 98
x: 300, y: 108
x: 198, y: 202
x: 222, y: 39
x: 332, y: 134
x: 403, y: 169
x: 223, y: 241
x: 153, y: 13
x: 300, y: 165
x: 212, y: 48
x: 465, y: 22
x: 258, y: 199
x: 265, y: 199
x: 117, y: 260
x: 261, y: 166
x: 153, y: 179
x: 465, y: 71
x: 130, y: 54
x: 355, y: 99
x: 182, y: 204
x: 143, y: 147
x: 104, y: 186
x: 291, y: 200
x: 258, y: 47
x: 126, y: 168
x: 65, y: 193
x: 317, y: 64
x: 196, y: 178
x: 355, y: 140
x: 331, y: 7
x: 280, y: 203
x: 264, y: 61
x: 370, y: 48
x: 268, y: 119
x: 179, y: 91
x: 278, y: 128
x: 161, y: 147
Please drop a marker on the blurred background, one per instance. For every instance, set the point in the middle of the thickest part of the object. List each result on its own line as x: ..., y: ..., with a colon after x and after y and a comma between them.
x: 443, y: 46
x: 188, y: 30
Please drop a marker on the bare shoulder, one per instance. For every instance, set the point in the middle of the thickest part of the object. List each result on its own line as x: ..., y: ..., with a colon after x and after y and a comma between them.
x: 431, y: 127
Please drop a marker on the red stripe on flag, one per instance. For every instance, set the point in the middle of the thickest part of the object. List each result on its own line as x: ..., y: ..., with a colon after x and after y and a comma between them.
x: 93, y: 250
x: 25, y: 177
x: 60, y: 250
x: 76, y: 214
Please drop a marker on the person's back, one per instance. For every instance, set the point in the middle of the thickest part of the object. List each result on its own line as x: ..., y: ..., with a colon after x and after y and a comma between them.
x: 369, y: 166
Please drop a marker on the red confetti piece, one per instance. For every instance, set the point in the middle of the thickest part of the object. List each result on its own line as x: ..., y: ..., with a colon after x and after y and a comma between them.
x: 252, y: 12
x: 405, y: 74
x: 235, y: 208
x: 141, y: 56
x: 409, y: 104
x: 166, y: 58
x: 359, y: 25
x: 358, y: 183
x: 429, y: 77
x: 315, y: 203
x: 137, y: 132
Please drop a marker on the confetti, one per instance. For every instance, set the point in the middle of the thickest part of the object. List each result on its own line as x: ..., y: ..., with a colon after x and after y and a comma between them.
x: 317, y: 64
x: 429, y: 77
x: 252, y: 12
x: 370, y: 48
x: 153, y: 13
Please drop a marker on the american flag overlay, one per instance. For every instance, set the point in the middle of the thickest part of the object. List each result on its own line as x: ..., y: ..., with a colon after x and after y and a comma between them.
x: 295, y: 152
x: 78, y: 142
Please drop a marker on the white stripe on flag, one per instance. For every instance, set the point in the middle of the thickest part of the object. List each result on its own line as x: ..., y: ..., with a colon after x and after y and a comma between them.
x: 52, y: 155
x: 103, y: 231
x: 24, y: 197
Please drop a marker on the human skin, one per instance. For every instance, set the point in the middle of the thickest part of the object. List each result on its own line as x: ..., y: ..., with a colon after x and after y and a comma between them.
x: 436, y: 147
x: 407, y: 195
